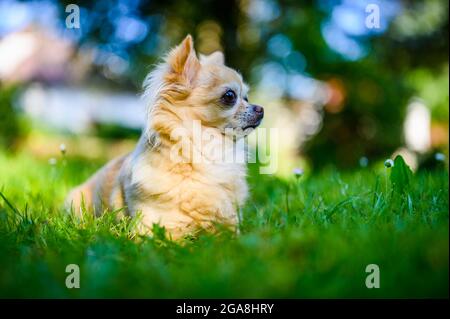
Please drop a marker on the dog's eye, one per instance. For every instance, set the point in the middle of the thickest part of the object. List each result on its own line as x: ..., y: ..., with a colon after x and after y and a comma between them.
x: 246, y: 99
x: 229, y: 98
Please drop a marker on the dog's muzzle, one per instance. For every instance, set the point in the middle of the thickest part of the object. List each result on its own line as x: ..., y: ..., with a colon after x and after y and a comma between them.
x: 256, y: 117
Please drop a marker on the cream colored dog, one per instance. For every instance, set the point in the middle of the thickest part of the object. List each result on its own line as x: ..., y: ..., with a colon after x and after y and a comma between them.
x: 180, y: 174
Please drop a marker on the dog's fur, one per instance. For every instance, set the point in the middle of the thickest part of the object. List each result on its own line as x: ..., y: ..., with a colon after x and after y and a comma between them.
x: 183, y: 196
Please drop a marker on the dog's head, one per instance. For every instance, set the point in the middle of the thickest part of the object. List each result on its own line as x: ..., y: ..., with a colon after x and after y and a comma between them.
x: 186, y: 88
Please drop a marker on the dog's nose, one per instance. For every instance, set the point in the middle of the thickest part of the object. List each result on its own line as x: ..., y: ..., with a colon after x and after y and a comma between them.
x: 258, y: 109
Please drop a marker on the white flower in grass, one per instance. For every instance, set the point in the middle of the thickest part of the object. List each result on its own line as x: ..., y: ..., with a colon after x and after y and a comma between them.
x: 389, y: 163
x: 63, y: 148
x: 298, y: 172
x: 52, y: 161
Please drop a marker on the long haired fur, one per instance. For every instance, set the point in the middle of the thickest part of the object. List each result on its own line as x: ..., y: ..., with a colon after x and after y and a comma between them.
x: 201, y: 189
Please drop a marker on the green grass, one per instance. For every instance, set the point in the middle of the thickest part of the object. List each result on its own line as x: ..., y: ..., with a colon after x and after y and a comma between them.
x: 311, y: 237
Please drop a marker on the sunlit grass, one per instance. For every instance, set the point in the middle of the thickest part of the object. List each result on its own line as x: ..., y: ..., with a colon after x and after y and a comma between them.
x: 311, y: 236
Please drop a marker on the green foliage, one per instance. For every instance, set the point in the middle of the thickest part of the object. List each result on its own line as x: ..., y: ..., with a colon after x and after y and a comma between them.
x: 432, y: 87
x: 113, y: 131
x: 337, y: 224
x: 401, y: 175
x: 10, y: 130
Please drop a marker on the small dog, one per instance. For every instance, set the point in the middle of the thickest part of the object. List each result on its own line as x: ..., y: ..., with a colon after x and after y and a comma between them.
x: 171, y: 178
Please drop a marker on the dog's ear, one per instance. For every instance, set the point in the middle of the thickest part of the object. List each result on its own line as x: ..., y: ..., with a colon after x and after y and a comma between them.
x: 183, y: 60
x: 216, y: 57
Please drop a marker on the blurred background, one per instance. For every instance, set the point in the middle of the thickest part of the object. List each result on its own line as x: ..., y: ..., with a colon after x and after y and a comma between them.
x: 340, y: 91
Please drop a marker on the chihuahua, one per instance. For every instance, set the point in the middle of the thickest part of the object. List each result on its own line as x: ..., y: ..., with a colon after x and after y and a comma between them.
x: 177, y: 176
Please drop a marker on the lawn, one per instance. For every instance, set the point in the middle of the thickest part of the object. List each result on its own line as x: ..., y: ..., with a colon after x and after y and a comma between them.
x: 307, y: 237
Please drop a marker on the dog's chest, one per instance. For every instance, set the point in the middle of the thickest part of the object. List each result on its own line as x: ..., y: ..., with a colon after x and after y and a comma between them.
x: 214, y: 186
